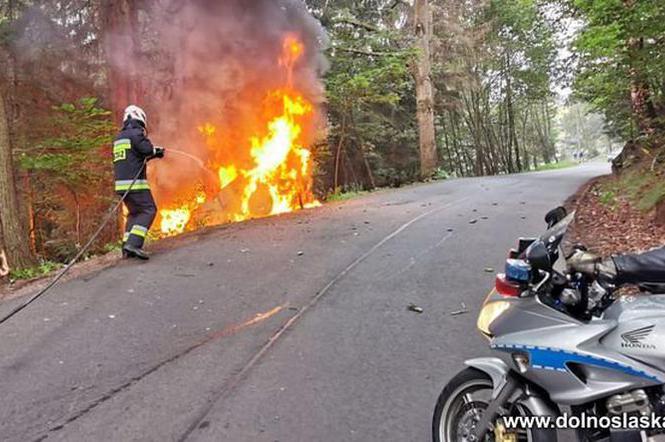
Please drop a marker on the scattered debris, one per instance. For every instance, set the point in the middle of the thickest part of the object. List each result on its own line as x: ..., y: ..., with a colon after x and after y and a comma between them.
x: 244, y: 250
x: 294, y: 309
x: 211, y: 264
x: 462, y: 311
x: 489, y: 270
x: 473, y: 221
x: 301, y: 253
x: 414, y: 308
x: 111, y: 316
x: 451, y: 229
x: 484, y: 217
x: 495, y: 204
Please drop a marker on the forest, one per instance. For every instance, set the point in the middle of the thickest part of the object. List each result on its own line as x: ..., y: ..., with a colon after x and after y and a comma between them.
x: 380, y: 92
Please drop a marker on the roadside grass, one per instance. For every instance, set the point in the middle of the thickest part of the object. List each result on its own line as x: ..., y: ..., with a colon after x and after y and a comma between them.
x: 42, y: 269
x: 45, y: 267
x: 345, y: 196
x: 555, y: 166
x: 643, y: 188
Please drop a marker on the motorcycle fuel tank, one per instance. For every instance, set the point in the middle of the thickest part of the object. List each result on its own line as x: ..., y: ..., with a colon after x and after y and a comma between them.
x: 640, y: 334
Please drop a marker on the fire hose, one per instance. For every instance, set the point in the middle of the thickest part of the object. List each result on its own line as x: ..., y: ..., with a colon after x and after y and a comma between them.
x: 81, y: 252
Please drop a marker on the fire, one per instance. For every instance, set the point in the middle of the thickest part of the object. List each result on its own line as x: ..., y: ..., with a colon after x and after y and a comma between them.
x: 263, y: 165
x: 174, y: 221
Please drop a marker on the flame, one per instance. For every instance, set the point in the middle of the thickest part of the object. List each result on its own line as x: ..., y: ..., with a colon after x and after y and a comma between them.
x: 175, y: 220
x: 263, y: 165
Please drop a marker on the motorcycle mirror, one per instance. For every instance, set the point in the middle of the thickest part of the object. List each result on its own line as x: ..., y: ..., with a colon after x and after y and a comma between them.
x: 555, y: 215
x: 538, y: 255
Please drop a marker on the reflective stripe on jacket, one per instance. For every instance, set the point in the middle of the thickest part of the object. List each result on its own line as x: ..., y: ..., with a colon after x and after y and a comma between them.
x: 130, y: 149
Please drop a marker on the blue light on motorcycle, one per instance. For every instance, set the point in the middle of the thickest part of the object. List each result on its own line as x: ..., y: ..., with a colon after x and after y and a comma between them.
x: 518, y: 270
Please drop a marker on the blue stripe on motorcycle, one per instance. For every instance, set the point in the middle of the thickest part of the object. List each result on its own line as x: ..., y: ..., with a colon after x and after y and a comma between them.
x: 555, y: 359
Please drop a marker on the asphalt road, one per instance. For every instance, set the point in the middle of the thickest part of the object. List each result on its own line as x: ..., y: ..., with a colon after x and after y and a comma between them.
x: 293, y: 328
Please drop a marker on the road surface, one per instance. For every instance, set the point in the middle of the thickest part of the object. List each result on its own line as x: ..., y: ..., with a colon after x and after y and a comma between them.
x: 293, y: 328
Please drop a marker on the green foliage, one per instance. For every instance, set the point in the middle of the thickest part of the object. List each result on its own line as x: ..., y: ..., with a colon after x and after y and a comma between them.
x: 441, y: 174
x: 114, y: 246
x: 608, y: 198
x: 370, y: 92
x: 345, y: 196
x: 83, y: 128
x: 652, y: 196
x: 620, y: 45
x: 555, y: 165
x: 641, y: 187
x: 44, y: 268
x: 69, y: 174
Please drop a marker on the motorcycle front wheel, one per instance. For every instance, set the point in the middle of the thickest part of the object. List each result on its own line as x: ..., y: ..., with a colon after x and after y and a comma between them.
x: 461, y: 404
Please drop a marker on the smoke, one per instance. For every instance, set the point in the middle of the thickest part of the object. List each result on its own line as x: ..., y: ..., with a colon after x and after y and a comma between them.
x: 211, y: 61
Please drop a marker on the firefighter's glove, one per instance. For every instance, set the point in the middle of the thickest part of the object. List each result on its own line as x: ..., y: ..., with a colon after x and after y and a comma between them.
x: 159, y: 152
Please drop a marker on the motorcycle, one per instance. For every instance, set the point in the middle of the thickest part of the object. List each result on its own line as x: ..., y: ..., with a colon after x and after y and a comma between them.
x: 561, y: 340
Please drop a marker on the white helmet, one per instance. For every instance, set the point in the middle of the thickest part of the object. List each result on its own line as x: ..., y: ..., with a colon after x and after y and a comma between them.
x: 135, y: 113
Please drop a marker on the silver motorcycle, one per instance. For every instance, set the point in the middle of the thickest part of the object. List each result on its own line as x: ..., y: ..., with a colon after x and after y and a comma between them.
x: 564, y: 345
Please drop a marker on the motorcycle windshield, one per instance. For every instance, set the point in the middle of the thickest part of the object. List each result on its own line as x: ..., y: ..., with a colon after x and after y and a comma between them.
x: 557, y: 232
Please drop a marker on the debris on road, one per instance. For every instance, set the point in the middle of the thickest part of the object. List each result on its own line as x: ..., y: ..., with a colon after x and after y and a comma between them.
x: 111, y: 316
x: 489, y: 270
x: 301, y: 253
x: 451, y: 230
x: 462, y: 311
x: 473, y: 221
x: 484, y: 217
x: 244, y: 250
x: 414, y: 308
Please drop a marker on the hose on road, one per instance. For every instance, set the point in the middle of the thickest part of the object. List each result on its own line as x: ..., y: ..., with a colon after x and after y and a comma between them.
x: 81, y: 252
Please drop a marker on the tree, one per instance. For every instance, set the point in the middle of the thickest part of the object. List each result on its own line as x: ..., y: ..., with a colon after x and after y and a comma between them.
x: 15, y: 236
x: 121, y: 47
x: 424, y: 89
x: 621, y: 68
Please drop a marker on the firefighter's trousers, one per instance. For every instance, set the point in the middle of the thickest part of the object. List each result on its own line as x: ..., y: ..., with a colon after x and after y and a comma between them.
x: 142, y: 211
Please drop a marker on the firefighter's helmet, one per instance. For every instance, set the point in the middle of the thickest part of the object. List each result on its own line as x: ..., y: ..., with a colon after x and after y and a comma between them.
x: 136, y: 113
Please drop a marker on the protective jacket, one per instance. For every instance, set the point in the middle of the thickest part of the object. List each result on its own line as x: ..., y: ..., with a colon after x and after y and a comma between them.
x: 648, y: 267
x: 130, y: 148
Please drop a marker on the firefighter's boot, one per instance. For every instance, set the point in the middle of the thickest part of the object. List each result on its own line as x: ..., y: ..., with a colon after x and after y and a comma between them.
x: 130, y: 251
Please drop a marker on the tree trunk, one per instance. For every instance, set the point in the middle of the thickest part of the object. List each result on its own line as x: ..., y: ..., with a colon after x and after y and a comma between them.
x: 424, y: 88
x: 640, y: 91
x: 15, y: 237
x: 122, y: 52
x: 338, y: 154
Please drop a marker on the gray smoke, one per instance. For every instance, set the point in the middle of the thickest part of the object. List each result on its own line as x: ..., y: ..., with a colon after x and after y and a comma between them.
x: 213, y: 61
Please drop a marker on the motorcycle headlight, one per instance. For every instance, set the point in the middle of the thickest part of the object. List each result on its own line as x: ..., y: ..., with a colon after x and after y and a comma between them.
x: 489, y: 313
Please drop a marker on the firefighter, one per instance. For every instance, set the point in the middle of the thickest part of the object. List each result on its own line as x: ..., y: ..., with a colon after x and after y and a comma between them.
x: 131, y: 151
